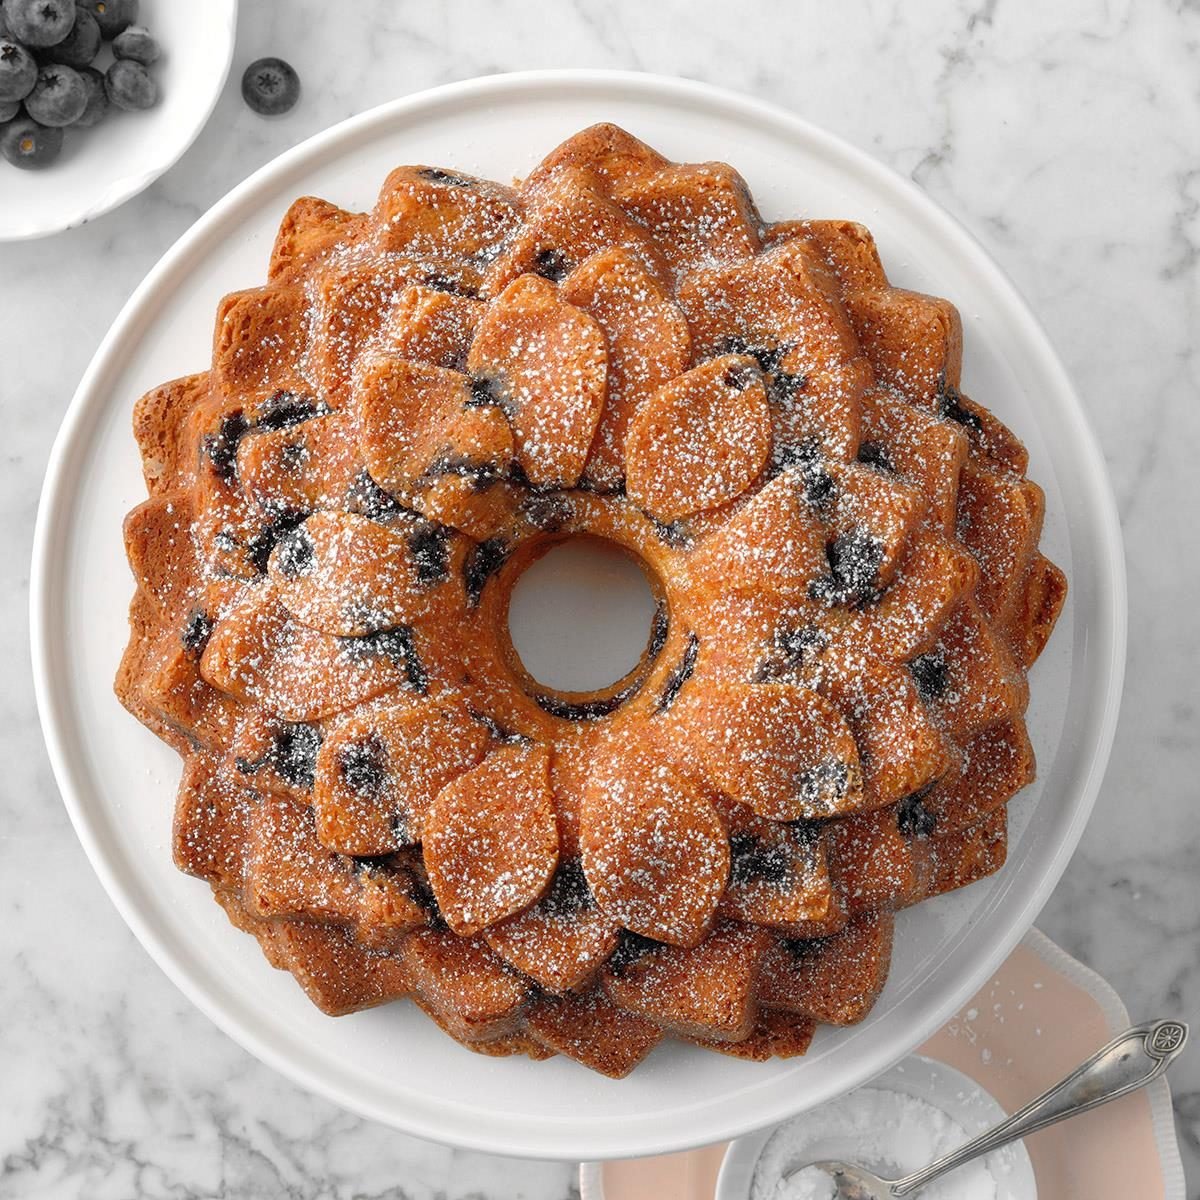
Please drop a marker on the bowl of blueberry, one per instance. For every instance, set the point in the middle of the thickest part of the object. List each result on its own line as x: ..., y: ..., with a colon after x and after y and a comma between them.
x: 98, y: 98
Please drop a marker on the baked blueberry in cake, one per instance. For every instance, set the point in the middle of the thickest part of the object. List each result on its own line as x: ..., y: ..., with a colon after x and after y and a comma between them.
x: 827, y: 722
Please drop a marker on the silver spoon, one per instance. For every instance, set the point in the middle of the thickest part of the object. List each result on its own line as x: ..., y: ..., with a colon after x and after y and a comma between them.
x: 1127, y: 1063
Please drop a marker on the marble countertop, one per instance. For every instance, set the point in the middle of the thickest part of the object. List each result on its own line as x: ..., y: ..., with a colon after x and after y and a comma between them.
x: 1066, y: 136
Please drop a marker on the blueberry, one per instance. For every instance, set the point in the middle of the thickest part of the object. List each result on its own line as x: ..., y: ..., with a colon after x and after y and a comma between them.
x: 9, y: 109
x: 130, y: 86
x: 137, y: 44
x: 39, y: 23
x: 28, y: 145
x: 80, y: 46
x: 18, y: 71
x: 113, y: 16
x: 97, y: 102
x: 58, y: 98
x: 270, y: 87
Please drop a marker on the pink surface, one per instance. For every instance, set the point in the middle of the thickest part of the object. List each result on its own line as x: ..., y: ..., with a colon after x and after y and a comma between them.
x: 1038, y: 1018
x: 1023, y: 1032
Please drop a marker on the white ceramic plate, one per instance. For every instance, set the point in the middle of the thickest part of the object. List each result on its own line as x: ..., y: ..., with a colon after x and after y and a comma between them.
x: 105, y: 166
x: 118, y: 780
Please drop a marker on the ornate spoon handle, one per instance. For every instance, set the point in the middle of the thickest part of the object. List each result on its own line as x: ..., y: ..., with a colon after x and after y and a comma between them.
x: 1127, y: 1063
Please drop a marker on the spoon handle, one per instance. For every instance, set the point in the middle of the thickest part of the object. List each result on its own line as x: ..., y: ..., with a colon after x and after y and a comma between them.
x: 1128, y: 1062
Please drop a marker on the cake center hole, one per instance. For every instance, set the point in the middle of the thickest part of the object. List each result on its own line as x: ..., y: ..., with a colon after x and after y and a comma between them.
x: 580, y: 616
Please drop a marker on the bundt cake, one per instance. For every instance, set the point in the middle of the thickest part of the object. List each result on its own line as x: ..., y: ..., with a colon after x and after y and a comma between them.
x: 827, y: 721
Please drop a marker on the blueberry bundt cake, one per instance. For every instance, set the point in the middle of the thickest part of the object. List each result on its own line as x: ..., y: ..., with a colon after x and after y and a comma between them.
x: 827, y: 721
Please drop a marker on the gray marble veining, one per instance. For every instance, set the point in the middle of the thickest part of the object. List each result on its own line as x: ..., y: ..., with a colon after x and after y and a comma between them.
x: 1066, y: 136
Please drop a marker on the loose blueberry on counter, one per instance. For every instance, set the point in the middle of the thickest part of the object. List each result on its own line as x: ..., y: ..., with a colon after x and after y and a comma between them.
x: 28, y: 145
x: 270, y: 87
x: 18, y: 71
x: 130, y: 86
x: 58, y: 98
x: 97, y: 104
x: 136, y: 44
x: 39, y: 23
x: 80, y: 46
x: 113, y: 16
x: 8, y: 110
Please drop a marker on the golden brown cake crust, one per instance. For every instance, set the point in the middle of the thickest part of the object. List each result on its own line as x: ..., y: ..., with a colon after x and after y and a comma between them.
x: 827, y: 723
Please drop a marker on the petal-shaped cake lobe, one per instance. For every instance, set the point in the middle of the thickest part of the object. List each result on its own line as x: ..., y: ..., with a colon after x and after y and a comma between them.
x: 310, y: 229
x: 903, y: 749
x: 161, y: 419
x: 777, y: 1034
x: 431, y: 326
x: 835, y: 979
x: 349, y: 306
x: 698, y: 213
x: 655, y: 853
x: 772, y: 543
x: 430, y: 213
x: 339, y: 975
x: 158, y: 544
x: 288, y: 871
x: 259, y: 653
x: 920, y: 448
x: 700, y: 440
x: 706, y: 991
x: 377, y: 774
x: 419, y: 425
x: 349, y: 576
x: 463, y: 984
x: 212, y: 815
x: 543, y: 363
x: 781, y: 749
x: 568, y: 219
x: 259, y: 340
x: 589, y: 1028
x: 614, y: 156
x: 300, y: 467
x: 562, y: 940
x: 779, y: 877
x: 491, y: 839
x: 648, y: 344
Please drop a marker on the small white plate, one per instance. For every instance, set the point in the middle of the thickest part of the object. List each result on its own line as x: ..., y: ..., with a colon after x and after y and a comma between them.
x: 963, y: 1100
x: 118, y: 781
x: 103, y: 167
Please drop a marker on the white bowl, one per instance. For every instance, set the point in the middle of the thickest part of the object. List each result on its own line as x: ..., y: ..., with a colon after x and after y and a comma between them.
x: 391, y: 1064
x: 103, y: 167
x: 963, y: 1100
